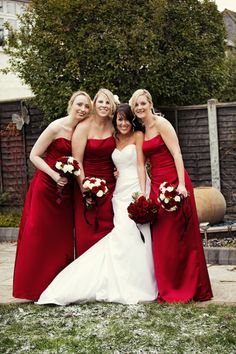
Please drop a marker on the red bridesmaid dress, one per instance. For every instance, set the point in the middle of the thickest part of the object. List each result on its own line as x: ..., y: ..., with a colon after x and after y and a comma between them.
x: 46, y: 241
x: 179, y: 260
x: 97, y: 163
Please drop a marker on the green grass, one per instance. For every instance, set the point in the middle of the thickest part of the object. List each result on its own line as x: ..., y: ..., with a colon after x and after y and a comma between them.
x: 113, y: 328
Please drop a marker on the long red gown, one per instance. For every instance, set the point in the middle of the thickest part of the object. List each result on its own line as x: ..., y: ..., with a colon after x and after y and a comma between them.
x: 97, y: 163
x: 179, y: 260
x: 46, y: 236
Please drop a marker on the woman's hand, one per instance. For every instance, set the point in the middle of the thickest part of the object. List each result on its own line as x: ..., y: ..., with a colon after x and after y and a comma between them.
x: 182, y: 190
x: 116, y: 173
x: 62, y: 181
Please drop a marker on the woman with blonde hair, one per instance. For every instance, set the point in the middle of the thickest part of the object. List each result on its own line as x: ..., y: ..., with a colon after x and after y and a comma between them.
x: 179, y: 261
x: 92, y: 145
x: 46, y: 237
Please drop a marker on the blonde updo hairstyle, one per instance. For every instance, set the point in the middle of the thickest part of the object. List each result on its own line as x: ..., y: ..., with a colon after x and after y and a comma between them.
x: 73, y: 97
x: 110, y: 98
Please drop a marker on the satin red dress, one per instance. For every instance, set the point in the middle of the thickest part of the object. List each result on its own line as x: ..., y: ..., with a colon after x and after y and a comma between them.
x: 97, y: 162
x: 46, y: 236
x: 179, y: 260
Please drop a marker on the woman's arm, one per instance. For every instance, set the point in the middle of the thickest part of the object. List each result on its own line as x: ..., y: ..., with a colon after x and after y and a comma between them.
x: 139, y: 136
x: 79, y: 141
x: 39, y: 148
x: 169, y: 136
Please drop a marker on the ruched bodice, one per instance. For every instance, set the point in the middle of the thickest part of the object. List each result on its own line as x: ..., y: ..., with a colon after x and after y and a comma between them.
x: 59, y: 147
x: 126, y: 161
x: 160, y: 158
x: 97, y: 158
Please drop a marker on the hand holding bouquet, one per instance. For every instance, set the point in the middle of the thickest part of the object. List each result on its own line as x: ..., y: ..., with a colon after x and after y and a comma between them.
x: 94, y: 188
x: 66, y: 166
x: 169, y: 198
x: 142, y: 210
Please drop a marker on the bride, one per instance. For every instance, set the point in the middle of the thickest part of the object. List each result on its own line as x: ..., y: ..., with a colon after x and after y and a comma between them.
x: 119, y: 267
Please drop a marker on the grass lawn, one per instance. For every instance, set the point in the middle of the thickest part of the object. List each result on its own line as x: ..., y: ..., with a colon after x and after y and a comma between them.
x: 113, y: 328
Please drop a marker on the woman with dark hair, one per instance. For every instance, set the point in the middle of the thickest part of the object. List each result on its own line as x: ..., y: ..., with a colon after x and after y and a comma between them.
x: 119, y: 267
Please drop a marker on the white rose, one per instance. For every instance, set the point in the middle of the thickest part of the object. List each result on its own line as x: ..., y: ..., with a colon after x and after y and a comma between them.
x: 177, y: 198
x: 99, y: 194
x: 162, y: 185
x: 70, y: 168
x: 106, y: 190
x: 116, y: 99
x: 65, y: 168
x: 58, y: 165
x: 170, y: 189
x: 77, y: 173
x: 86, y: 184
x: 70, y: 159
x: 166, y: 200
x: 162, y: 197
x: 97, y: 183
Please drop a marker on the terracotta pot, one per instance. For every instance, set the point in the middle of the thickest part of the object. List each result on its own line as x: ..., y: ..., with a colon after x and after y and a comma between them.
x: 211, y: 205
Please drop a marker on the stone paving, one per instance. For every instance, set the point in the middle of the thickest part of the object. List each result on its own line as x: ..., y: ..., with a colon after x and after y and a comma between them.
x: 223, y: 279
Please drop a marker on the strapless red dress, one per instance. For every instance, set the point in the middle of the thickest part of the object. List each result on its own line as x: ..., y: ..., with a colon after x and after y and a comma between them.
x: 179, y: 260
x: 97, y: 163
x: 45, y: 242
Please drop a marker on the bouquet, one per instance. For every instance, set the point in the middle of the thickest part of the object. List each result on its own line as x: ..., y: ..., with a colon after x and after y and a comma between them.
x: 169, y: 198
x: 96, y: 188
x: 67, y: 166
x: 142, y: 210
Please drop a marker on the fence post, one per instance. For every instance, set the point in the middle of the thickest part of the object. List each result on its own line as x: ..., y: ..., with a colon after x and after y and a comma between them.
x: 214, y: 145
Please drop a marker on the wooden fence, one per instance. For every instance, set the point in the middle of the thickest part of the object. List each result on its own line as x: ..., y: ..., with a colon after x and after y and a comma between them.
x: 208, y: 146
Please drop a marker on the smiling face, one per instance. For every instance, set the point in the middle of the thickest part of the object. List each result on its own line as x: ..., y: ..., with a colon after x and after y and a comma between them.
x: 123, y: 125
x: 80, y: 107
x: 102, y: 106
x: 142, y: 106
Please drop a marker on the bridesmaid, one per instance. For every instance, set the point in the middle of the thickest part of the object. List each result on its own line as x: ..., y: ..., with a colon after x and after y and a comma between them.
x: 179, y: 261
x: 45, y: 242
x: 92, y: 145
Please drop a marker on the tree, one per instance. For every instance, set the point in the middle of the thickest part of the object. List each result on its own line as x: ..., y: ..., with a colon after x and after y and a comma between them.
x: 228, y: 93
x: 192, y: 52
x: 175, y: 49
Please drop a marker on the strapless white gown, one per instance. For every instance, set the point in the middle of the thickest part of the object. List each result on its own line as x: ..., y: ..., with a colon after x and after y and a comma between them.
x: 118, y: 268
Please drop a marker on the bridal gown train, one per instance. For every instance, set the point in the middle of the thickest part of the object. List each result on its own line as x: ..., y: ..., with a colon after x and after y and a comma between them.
x: 119, y: 267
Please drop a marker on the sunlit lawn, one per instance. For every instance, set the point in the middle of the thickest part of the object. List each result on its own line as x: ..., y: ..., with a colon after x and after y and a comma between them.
x: 113, y: 328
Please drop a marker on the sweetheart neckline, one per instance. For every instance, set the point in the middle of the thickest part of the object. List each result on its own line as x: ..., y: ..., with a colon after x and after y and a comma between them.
x: 125, y: 147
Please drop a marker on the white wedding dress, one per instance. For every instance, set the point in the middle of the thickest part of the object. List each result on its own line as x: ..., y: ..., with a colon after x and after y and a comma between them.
x: 118, y: 268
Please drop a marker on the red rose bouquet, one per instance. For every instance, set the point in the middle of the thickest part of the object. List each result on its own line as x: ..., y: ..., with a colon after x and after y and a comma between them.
x: 96, y: 188
x: 169, y: 198
x: 142, y: 210
x: 66, y: 166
